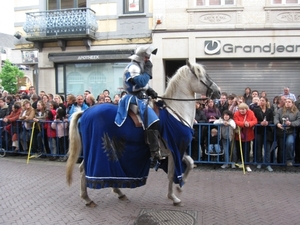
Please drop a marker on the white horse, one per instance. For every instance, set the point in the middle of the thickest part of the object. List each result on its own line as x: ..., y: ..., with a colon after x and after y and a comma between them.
x: 103, y: 140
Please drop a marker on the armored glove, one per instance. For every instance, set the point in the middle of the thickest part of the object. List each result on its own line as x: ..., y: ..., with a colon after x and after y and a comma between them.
x: 148, y: 68
x: 152, y: 93
x: 131, y: 81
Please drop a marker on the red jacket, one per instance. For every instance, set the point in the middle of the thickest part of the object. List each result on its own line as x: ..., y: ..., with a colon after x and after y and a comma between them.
x: 248, y: 132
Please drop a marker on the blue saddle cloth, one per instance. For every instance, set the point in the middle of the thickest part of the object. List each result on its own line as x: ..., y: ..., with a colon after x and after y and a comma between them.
x: 118, y: 156
x: 113, y: 156
x: 178, y: 137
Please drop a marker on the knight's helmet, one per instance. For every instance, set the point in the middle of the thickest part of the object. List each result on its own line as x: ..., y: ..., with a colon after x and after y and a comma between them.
x: 143, y: 51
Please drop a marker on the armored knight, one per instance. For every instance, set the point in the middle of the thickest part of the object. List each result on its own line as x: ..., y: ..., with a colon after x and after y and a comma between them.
x: 136, y: 77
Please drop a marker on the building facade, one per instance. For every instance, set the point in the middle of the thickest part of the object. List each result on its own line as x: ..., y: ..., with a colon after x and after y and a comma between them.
x: 241, y: 43
x: 85, y: 44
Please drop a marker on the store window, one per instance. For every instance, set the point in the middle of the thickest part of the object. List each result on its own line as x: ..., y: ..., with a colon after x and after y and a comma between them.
x: 215, y: 2
x: 65, y: 4
x: 133, y: 6
x: 94, y: 77
x: 286, y: 2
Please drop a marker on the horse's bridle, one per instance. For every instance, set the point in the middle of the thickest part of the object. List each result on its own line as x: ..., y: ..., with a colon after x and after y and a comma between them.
x: 208, y: 89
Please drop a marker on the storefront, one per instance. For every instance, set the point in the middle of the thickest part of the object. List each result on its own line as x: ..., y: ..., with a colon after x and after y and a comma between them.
x: 94, y: 71
x: 262, y: 60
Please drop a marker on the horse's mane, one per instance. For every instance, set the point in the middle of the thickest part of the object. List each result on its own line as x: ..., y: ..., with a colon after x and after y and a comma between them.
x: 182, y: 75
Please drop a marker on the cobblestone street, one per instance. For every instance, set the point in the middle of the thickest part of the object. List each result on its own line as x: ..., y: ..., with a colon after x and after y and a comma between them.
x: 37, y: 193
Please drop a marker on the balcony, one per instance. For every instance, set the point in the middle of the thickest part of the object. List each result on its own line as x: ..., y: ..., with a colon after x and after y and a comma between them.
x: 61, y: 25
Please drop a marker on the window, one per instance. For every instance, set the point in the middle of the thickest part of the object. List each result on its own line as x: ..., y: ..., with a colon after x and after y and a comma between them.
x: 286, y: 2
x: 214, y: 2
x: 133, y: 6
x: 65, y: 4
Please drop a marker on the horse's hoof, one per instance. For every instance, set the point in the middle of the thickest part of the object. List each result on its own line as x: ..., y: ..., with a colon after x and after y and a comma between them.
x: 123, y: 197
x: 91, y: 204
x: 178, y: 204
x: 179, y: 189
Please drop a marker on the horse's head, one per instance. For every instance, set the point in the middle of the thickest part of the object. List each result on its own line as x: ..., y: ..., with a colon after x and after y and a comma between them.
x: 212, y: 89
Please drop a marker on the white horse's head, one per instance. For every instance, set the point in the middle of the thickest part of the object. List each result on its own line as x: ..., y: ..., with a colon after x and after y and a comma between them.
x: 207, y: 86
x: 191, y: 79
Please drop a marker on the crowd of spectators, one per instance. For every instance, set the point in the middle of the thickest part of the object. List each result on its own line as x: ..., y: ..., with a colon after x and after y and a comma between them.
x: 248, y: 128
x: 39, y: 122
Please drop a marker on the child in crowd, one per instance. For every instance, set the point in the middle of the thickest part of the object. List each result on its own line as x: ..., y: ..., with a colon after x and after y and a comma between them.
x: 214, y: 146
x: 60, y: 124
x: 51, y: 133
x: 227, y: 132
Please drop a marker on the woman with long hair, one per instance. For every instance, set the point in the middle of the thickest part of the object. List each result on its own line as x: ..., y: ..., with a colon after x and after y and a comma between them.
x: 265, y: 117
x: 286, y: 120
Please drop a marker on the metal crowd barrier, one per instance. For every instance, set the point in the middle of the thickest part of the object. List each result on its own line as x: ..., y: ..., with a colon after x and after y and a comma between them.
x: 38, y: 144
x: 198, y: 148
x: 34, y: 138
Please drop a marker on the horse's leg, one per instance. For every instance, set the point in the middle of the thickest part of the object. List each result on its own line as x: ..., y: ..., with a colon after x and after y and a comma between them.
x: 171, y: 170
x: 189, y: 166
x: 83, y: 189
x: 120, y: 194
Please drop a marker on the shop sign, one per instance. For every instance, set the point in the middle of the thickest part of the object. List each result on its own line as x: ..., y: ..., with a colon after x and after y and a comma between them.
x: 215, y: 47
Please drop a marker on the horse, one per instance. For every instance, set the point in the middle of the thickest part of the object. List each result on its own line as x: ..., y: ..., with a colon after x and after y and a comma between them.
x: 118, y: 157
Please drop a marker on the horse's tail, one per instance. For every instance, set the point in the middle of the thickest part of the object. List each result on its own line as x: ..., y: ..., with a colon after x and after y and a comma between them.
x: 74, y: 145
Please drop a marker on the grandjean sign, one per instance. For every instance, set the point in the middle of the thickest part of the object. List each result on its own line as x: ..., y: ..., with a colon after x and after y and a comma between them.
x: 214, y: 47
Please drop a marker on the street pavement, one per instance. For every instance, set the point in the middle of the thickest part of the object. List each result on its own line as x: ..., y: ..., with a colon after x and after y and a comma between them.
x: 37, y: 193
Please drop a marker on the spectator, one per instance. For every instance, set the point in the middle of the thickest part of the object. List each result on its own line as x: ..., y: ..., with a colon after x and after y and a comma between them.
x: 15, y: 127
x: 90, y: 100
x: 227, y: 132
x: 245, y: 120
x: 46, y: 101
x: 263, y: 94
x: 280, y: 103
x: 34, y: 100
x: 254, y: 103
x: 286, y: 119
x: 17, y: 98
x: 4, y: 111
x: 31, y: 91
x: 4, y: 95
x: 42, y: 93
x: 50, y: 97
x: 71, y: 99
x: 199, y: 118
x: 116, y: 99
x: 40, y: 140
x: 107, y: 99
x: 123, y: 93
x: 288, y: 94
x: 79, y: 105
x: 86, y: 93
x: 100, y: 96
x: 60, y: 103
x: 222, y: 105
x: 10, y: 102
x: 255, y: 94
x: 106, y: 92
x: 231, y: 101
x: 60, y: 124
x: 53, y: 105
x: 265, y: 117
x: 214, y: 142
x: 51, y: 134
x: 26, y: 117
x: 211, y: 111
x: 247, y: 96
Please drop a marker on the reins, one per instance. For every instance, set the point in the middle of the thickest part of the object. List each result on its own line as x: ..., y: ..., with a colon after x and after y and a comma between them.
x: 183, y: 99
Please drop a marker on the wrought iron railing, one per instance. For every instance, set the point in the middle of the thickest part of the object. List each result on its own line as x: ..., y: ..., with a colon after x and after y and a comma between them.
x: 61, y: 22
